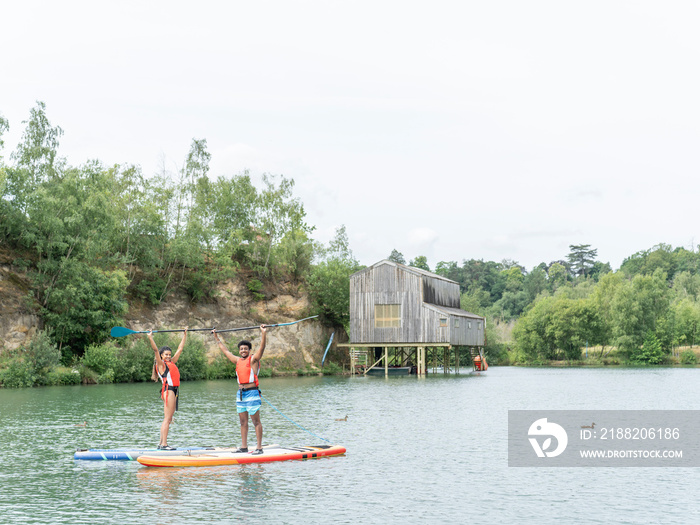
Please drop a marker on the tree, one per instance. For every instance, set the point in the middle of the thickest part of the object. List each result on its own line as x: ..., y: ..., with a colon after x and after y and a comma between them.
x: 556, y: 327
x: 599, y: 269
x: 650, y: 352
x: 646, y: 262
x: 295, y: 254
x: 84, y: 305
x: 36, y: 158
x: 278, y: 213
x: 397, y: 257
x: 421, y: 262
x: 556, y: 276
x: 687, y: 317
x: 452, y: 271
x: 686, y: 284
x: 329, y: 281
x: 602, y: 298
x: 535, y: 283
x: 532, y: 334
x: 581, y: 258
x: 637, y: 307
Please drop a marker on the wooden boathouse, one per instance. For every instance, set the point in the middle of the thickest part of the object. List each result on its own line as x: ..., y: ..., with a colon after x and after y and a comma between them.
x: 405, y: 319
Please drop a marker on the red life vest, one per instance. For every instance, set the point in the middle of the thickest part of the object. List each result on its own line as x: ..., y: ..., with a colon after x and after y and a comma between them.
x: 245, y: 373
x: 171, y: 377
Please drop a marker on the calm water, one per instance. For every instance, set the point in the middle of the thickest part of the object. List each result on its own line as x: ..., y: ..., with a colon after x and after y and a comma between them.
x: 418, y: 451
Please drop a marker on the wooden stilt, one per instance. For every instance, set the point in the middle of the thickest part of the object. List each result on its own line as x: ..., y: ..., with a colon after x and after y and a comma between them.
x: 386, y: 361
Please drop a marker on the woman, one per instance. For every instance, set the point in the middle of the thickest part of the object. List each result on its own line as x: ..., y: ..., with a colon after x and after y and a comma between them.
x: 164, y: 368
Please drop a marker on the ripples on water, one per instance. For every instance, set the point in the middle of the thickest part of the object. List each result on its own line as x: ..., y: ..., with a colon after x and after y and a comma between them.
x: 419, y: 450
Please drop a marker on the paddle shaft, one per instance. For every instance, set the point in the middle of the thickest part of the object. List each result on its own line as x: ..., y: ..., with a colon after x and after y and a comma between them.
x: 266, y: 326
x: 119, y: 331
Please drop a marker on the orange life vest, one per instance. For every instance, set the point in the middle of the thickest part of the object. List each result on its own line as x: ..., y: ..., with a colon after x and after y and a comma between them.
x: 245, y: 373
x: 170, y: 378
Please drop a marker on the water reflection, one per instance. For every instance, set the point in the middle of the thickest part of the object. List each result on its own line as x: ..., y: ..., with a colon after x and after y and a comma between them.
x: 248, y: 484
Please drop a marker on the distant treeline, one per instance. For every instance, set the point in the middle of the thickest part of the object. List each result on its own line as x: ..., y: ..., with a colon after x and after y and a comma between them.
x: 643, y: 310
x: 90, y: 236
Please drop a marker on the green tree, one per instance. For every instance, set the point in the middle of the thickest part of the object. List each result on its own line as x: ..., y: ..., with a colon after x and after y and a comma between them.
x: 278, y: 213
x: 86, y: 302
x: 532, y: 333
x: 599, y: 269
x: 329, y: 281
x: 556, y: 276
x: 686, y: 284
x: 452, y: 271
x: 636, y: 308
x: 535, y: 283
x: 36, y: 158
x: 646, y: 262
x: 650, y: 352
x: 397, y: 257
x: 233, y: 202
x: 421, y: 262
x: 602, y: 299
x: 296, y: 252
x: 581, y: 258
x: 687, y: 321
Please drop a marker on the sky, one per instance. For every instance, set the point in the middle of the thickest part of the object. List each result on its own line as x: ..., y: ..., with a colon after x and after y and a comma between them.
x: 454, y: 130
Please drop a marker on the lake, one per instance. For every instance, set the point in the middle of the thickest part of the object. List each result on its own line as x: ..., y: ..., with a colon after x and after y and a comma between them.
x: 418, y: 451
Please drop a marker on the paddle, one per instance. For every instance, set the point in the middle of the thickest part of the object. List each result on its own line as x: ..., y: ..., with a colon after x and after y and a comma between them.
x: 327, y: 348
x: 266, y: 326
x: 120, y: 331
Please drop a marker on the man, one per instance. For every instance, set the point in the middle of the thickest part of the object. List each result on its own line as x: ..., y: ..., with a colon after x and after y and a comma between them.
x: 248, y: 400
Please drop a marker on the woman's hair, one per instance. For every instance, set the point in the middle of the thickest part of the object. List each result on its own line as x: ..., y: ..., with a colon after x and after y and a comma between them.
x: 154, y: 373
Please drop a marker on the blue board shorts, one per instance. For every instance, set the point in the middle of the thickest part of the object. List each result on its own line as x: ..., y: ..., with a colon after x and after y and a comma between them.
x: 248, y: 401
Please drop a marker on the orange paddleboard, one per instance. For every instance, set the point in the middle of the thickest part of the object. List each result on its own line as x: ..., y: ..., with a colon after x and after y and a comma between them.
x: 271, y: 453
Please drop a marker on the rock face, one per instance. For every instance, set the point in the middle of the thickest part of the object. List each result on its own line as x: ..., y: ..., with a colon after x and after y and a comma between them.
x: 294, y: 346
x: 18, y: 323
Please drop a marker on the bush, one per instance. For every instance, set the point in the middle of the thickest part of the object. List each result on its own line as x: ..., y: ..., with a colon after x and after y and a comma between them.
x: 221, y: 368
x: 87, y: 375
x: 331, y: 369
x: 152, y: 290
x: 688, y: 357
x: 42, y: 353
x: 193, y: 360
x: 101, y: 358
x: 63, y: 376
x: 650, y: 353
x: 107, y: 377
x: 19, y: 373
x: 254, y: 287
x: 135, y: 362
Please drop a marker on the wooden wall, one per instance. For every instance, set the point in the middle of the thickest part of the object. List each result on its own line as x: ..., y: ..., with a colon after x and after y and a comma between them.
x: 388, y: 283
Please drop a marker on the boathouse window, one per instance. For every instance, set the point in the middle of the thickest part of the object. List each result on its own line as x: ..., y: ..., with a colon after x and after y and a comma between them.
x: 456, y: 323
x: 443, y: 322
x: 387, y: 316
x: 469, y: 325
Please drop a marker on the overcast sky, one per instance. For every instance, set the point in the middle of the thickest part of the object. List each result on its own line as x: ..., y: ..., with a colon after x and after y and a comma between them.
x: 450, y: 129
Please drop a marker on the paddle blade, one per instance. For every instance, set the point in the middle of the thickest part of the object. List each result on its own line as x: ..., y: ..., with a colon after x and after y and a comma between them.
x: 120, y: 331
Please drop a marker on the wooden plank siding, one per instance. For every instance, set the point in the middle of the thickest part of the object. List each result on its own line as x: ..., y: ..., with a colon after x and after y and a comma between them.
x: 423, y: 298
